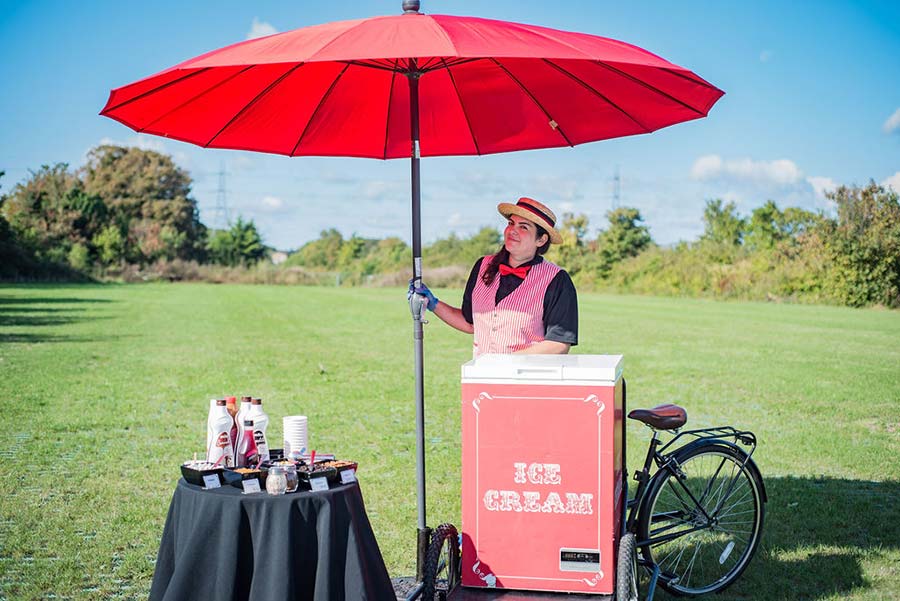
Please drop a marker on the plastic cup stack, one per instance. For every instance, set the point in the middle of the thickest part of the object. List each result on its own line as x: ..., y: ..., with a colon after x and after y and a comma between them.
x: 295, y: 434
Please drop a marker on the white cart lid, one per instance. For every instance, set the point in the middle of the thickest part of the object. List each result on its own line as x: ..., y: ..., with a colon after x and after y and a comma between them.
x: 606, y: 368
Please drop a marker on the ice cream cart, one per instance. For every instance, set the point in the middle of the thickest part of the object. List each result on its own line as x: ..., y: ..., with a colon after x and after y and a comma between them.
x: 546, y: 508
x: 542, y: 486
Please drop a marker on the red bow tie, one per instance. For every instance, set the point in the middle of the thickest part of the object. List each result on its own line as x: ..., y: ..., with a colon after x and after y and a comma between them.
x: 520, y: 272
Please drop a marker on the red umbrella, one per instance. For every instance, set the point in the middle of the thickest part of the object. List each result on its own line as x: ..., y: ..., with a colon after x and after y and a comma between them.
x: 484, y: 86
x: 408, y: 86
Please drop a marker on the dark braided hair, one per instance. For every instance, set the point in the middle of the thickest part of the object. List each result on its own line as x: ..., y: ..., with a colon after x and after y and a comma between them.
x: 502, y: 256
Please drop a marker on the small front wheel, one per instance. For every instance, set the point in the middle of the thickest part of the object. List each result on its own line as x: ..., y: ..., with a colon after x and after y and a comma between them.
x: 702, y: 518
x: 442, y: 566
x: 627, y: 569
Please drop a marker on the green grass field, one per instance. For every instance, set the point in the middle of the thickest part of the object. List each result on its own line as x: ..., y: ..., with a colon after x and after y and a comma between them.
x: 105, y: 390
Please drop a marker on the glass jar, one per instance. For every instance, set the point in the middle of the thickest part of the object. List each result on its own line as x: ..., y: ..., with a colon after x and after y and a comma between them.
x: 293, y: 480
x: 276, y: 482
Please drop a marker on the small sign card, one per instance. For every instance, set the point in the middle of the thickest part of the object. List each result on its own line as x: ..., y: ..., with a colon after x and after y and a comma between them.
x: 348, y: 476
x: 318, y: 484
x: 211, y: 481
x: 251, y: 485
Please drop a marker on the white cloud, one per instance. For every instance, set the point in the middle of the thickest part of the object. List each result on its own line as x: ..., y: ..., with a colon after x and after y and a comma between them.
x: 707, y: 167
x: 778, y: 172
x: 146, y: 142
x: 455, y: 220
x: 260, y: 29
x: 766, y: 55
x: 893, y: 182
x: 821, y: 185
x: 893, y: 122
x: 272, y: 203
x: 566, y: 207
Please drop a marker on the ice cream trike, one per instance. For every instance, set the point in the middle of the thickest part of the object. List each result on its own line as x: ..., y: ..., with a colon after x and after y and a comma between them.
x: 545, y: 502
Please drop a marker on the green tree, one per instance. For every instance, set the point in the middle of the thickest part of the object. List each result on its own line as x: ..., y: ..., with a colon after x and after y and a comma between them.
x: 239, y: 245
x: 149, y: 198
x: 864, y: 244
x: 352, y: 249
x: 110, y: 245
x: 43, y: 211
x: 722, y: 223
x: 570, y: 254
x: 79, y: 259
x: 768, y: 226
x: 320, y: 253
x: 625, y: 237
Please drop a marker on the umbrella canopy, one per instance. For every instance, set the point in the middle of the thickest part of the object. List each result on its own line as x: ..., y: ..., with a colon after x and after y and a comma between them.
x: 485, y: 86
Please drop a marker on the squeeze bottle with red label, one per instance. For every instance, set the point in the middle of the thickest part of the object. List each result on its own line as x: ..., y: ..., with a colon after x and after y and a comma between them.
x: 247, y: 455
x: 242, y: 415
x: 260, y: 424
x: 230, y: 405
x: 221, y: 447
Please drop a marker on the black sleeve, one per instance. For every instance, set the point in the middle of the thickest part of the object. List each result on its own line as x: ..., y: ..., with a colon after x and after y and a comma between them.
x: 470, y: 286
x: 561, y: 310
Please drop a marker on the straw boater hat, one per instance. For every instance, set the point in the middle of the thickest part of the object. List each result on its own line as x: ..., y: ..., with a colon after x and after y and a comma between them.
x: 533, y: 211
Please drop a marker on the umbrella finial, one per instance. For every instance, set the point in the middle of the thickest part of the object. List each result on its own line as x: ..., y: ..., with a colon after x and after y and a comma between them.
x: 410, y: 6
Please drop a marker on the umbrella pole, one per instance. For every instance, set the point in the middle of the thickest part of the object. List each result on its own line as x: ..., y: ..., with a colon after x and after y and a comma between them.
x: 417, y: 307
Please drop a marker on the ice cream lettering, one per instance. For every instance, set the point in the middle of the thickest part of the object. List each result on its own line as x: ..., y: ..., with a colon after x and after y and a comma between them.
x: 533, y: 501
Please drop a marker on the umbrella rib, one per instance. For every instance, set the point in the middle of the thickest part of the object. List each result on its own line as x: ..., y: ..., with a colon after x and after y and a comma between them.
x: 387, y: 125
x: 154, y: 90
x: 203, y: 93
x: 598, y: 93
x: 252, y: 102
x: 312, y: 117
x: 463, y: 106
x: 447, y: 65
x: 648, y: 86
x: 696, y: 79
x: 371, y: 65
x: 535, y: 100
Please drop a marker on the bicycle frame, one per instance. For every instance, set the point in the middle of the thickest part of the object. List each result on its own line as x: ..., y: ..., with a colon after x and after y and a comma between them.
x: 664, y: 459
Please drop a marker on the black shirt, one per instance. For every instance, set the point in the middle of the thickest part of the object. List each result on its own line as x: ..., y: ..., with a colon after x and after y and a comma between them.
x: 560, y: 302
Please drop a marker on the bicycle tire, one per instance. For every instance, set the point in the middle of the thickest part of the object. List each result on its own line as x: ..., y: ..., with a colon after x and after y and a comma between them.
x: 627, y: 569
x: 719, y: 549
x: 442, y: 566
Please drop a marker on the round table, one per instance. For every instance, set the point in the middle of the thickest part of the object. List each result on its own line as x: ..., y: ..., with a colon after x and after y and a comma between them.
x: 221, y: 544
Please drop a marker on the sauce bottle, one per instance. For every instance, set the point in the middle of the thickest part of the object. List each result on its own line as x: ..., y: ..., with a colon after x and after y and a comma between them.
x: 247, y: 455
x: 260, y: 424
x: 221, y: 447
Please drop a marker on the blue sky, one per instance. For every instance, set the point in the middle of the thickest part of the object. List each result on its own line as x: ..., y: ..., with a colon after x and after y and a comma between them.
x: 812, y: 101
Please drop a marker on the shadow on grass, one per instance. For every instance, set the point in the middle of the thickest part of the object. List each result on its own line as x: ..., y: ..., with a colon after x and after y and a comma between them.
x: 30, y: 312
x: 38, y: 320
x: 49, y: 300
x: 818, y: 533
x: 38, y: 338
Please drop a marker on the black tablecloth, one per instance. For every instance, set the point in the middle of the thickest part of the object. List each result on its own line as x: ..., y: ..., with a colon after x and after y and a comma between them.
x: 221, y: 544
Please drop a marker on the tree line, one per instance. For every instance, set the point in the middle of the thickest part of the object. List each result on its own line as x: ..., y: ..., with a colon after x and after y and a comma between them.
x: 129, y: 208
x: 125, y: 206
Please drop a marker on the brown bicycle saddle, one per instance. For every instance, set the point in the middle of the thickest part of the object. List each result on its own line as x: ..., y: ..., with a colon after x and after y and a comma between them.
x: 661, y: 417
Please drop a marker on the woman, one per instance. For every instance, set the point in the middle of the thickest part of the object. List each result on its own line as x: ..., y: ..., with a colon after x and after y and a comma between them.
x: 515, y: 301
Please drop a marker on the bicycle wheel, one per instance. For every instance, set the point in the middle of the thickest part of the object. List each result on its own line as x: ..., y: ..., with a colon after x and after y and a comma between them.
x: 627, y: 570
x: 703, y: 519
x: 442, y: 565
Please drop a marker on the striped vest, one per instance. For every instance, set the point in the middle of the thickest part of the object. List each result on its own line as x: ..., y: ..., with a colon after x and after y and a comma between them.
x: 517, y: 321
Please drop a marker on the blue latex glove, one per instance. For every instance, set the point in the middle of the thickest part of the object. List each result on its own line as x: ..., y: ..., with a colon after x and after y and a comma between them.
x: 422, y: 290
